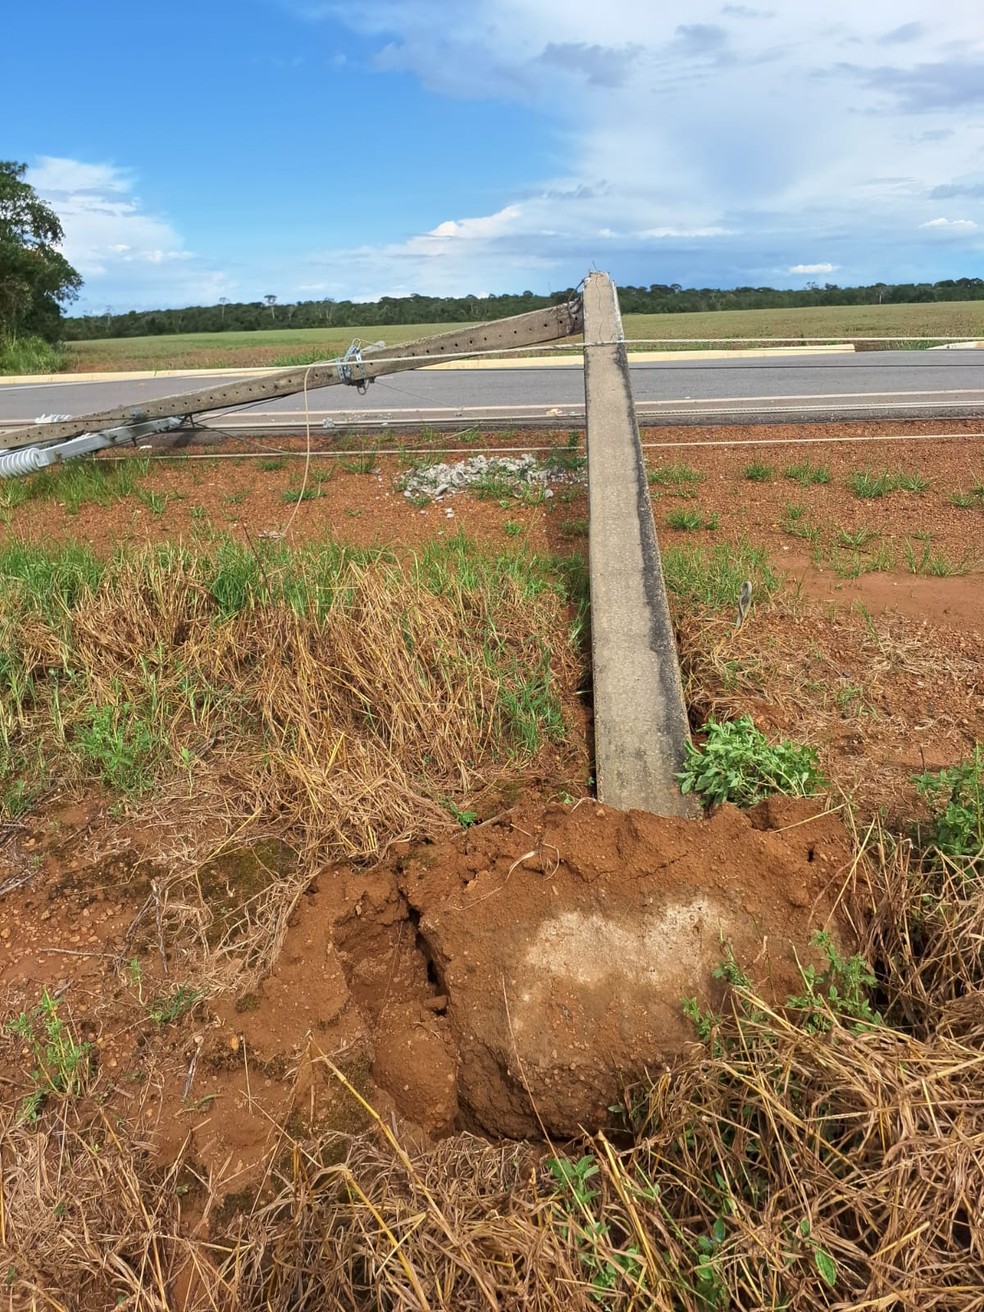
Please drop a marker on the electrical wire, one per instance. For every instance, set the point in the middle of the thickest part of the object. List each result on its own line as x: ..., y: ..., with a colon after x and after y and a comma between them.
x: 307, y: 457
x: 309, y: 454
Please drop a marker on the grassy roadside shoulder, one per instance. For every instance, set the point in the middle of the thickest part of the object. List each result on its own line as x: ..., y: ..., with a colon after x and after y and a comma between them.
x: 32, y: 355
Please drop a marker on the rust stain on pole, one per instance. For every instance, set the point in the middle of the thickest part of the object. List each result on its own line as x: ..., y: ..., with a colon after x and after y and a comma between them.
x: 641, y: 728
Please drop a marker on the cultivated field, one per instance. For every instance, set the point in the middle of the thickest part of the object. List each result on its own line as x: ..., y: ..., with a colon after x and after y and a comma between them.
x: 295, y: 775
x: 284, y: 346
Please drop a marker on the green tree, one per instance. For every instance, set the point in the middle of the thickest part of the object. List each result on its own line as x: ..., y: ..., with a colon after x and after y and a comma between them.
x: 35, y: 278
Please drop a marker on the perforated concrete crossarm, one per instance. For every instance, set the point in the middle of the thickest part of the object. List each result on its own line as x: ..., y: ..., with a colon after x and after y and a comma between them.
x: 640, y: 719
x: 522, y: 330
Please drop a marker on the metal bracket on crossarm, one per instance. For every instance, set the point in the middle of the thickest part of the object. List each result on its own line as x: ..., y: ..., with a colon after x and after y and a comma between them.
x: 352, y: 369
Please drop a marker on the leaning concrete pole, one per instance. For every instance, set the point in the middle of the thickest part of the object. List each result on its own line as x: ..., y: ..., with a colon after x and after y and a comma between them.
x: 640, y: 720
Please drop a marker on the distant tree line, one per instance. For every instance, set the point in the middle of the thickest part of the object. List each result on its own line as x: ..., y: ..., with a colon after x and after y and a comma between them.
x: 659, y: 298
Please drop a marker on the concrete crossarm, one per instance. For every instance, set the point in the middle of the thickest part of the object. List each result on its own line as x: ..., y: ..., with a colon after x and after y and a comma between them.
x: 522, y: 330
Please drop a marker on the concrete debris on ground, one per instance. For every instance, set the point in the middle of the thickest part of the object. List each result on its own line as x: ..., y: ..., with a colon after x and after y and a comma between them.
x: 438, y: 481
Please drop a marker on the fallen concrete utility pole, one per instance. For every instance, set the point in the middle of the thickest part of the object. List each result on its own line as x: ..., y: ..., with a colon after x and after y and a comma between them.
x: 640, y: 719
x: 357, y: 368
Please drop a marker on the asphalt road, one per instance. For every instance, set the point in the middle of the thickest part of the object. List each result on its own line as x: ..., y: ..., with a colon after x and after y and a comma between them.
x: 869, y: 385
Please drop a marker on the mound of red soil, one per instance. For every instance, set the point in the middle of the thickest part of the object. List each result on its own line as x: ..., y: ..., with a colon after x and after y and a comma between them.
x: 511, y: 979
x: 564, y: 951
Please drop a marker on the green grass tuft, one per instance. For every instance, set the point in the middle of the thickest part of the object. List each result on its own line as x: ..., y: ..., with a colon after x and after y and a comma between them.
x: 713, y: 578
x: 757, y: 472
x: 806, y: 474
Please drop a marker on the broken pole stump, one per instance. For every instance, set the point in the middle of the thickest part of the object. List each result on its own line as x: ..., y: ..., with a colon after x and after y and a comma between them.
x: 640, y: 720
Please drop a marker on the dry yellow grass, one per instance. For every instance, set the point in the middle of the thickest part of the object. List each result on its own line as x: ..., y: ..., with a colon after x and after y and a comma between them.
x: 337, y: 703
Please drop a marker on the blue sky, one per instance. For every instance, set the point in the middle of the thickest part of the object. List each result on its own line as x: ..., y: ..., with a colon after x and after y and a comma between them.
x: 309, y: 148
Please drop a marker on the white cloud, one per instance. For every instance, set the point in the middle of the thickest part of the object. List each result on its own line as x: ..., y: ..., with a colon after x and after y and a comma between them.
x: 488, y: 226
x: 965, y: 224
x: 660, y: 233
x: 125, y: 255
x: 698, y: 145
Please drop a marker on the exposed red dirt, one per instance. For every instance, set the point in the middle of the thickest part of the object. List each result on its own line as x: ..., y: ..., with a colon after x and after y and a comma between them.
x: 203, y: 496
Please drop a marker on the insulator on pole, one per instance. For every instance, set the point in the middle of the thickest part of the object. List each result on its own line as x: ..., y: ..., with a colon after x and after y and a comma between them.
x: 28, y: 460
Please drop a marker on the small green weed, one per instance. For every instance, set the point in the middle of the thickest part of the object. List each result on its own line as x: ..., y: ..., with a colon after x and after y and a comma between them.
x: 13, y: 493
x: 507, y: 488
x: 574, y: 528
x: 170, y: 1007
x: 295, y: 494
x: 867, y: 485
x: 738, y: 764
x: 911, y: 482
x: 134, y: 977
x: 17, y: 797
x: 859, y: 539
x: 61, y: 1061
x: 464, y: 818
x: 759, y: 473
x: 82, y: 482
x: 117, y: 745
x: 605, y: 1263
x: 841, y: 991
x: 713, y: 578
x: 709, y: 1283
x: 512, y: 529
x: 937, y: 564
x: 363, y: 464
x: 850, y: 702
x: 955, y: 796
x: 806, y: 474
x: 851, y: 564
x: 686, y: 521
x: 676, y: 480
x: 795, y: 524
x: 970, y: 499
x: 271, y: 466
x: 154, y: 501
x: 568, y: 459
